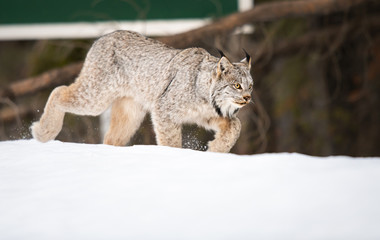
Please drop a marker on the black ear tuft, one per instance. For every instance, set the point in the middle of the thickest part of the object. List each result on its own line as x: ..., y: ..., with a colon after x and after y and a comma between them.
x: 221, y: 53
x: 247, y: 55
x: 224, y: 64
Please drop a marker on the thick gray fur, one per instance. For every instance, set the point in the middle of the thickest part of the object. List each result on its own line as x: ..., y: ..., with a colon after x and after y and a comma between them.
x: 136, y: 75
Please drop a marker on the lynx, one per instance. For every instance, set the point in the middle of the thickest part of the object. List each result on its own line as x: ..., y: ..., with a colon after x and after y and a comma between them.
x: 136, y: 75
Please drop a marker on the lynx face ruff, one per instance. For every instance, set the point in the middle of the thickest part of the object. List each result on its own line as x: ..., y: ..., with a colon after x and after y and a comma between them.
x: 137, y: 75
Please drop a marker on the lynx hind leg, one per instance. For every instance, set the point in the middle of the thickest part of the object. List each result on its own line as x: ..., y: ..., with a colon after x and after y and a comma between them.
x: 227, y: 133
x: 167, y: 133
x: 64, y: 99
x: 126, y: 118
x: 51, y: 120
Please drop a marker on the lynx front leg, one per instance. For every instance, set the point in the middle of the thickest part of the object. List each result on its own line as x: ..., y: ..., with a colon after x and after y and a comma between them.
x: 167, y: 133
x: 227, y: 132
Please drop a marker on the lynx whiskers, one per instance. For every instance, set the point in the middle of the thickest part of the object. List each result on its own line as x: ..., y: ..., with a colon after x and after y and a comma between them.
x: 136, y: 75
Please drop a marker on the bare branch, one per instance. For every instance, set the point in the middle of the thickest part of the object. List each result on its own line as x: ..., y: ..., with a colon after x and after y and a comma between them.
x: 53, y: 77
x: 261, y: 13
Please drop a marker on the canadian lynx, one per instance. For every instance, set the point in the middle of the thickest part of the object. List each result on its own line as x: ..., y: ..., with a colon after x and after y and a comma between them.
x: 136, y: 75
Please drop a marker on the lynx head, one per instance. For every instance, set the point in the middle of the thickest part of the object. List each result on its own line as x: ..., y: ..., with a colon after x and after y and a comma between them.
x: 232, y: 85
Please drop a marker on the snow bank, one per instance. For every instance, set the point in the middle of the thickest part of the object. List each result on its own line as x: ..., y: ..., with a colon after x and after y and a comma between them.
x: 80, y: 191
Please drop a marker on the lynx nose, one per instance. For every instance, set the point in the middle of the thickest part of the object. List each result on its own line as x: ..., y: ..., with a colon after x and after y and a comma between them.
x: 247, y: 98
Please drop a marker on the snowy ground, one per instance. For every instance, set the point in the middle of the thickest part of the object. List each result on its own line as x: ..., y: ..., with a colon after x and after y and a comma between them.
x: 79, y: 191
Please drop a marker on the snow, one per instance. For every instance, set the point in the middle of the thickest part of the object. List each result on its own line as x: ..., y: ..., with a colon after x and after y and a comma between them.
x: 62, y: 190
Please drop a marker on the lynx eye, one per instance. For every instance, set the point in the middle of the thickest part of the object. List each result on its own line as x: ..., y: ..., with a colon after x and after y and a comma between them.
x: 250, y: 86
x: 237, y: 86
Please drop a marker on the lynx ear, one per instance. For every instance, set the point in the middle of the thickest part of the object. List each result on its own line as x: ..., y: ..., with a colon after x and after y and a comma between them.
x: 247, y: 60
x: 223, y: 65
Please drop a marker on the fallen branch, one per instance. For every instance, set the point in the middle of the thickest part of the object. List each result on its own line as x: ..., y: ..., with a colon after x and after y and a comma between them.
x: 50, y: 78
x: 261, y: 13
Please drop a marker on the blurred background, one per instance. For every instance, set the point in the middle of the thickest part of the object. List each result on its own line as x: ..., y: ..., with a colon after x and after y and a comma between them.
x: 316, y: 66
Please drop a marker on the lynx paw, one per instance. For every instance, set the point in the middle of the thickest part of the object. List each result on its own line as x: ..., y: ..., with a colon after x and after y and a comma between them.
x: 41, y: 134
x: 215, y: 146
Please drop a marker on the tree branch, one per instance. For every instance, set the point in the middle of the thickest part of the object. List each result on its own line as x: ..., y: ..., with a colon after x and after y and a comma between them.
x: 50, y: 78
x: 261, y: 13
